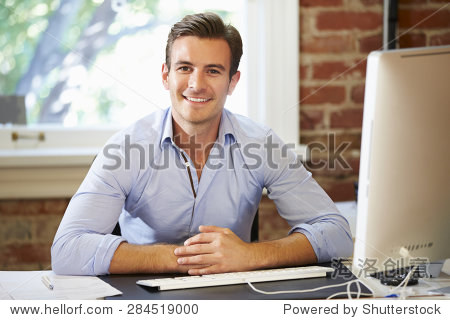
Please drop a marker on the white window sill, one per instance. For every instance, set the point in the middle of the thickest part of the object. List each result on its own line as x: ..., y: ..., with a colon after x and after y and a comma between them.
x: 43, y: 173
x: 53, y: 157
x: 48, y: 169
x: 49, y: 173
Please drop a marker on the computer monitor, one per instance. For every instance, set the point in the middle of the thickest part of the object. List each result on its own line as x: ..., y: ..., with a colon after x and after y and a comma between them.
x: 404, y: 178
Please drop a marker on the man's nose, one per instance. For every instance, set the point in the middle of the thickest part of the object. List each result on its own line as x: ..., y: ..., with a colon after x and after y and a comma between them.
x: 197, y: 81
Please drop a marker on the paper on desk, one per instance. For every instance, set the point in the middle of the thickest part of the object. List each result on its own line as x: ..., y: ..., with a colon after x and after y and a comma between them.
x: 28, y: 285
x: 4, y: 295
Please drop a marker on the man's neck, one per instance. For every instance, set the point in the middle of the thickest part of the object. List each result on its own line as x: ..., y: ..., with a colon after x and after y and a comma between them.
x: 196, y: 140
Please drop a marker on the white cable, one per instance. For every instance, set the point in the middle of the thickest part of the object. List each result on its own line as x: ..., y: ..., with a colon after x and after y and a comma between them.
x: 402, y: 286
x: 404, y: 283
x: 351, y: 292
x: 316, y: 289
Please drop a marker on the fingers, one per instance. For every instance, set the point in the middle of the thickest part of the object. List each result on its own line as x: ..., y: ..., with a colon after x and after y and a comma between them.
x: 208, y: 234
x: 193, y: 250
x: 201, y: 238
x: 204, y: 259
x: 203, y: 271
x: 214, y: 229
x: 185, y: 268
x: 213, y: 250
x: 200, y: 261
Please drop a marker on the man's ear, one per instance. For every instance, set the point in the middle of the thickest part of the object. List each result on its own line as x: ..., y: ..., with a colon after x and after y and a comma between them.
x: 165, y: 76
x: 233, y: 82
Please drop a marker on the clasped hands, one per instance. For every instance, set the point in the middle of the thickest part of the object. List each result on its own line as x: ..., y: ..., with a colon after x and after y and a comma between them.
x: 214, y: 250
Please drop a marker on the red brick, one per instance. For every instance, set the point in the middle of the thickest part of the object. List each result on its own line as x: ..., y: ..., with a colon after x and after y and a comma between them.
x: 440, y: 39
x: 311, y: 119
x: 354, y: 164
x: 328, y: 70
x: 271, y: 225
x: 320, y: 3
x: 33, y: 207
x: 19, y: 207
x: 45, y: 228
x: 15, y: 230
x: 335, y: 170
x: 412, y: 40
x: 25, y: 253
x: 339, y: 70
x: 320, y: 95
x: 327, y: 44
x: 303, y: 71
x: 371, y: 43
x: 344, y: 20
x: 348, y: 118
x: 402, y: 3
x: 357, y: 94
x: 424, y: 19
x: 371, y: 2
x: 340, y: 191
x: 353, y: 139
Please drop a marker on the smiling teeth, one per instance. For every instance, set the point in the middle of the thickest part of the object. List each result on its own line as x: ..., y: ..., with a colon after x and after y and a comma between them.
x: 196, y: 99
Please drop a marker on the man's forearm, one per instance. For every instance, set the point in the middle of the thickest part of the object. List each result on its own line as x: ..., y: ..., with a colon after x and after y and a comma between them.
x: 158, y: 258
x: 293, y: 250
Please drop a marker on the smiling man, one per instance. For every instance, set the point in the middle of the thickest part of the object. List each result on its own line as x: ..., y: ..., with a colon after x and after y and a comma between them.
x: 185, y: 182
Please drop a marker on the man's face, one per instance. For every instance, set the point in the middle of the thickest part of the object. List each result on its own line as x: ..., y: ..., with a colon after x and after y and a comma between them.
x: 198, y: 79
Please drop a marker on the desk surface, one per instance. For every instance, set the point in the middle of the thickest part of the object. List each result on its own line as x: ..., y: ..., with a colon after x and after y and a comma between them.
x: 132, y: 291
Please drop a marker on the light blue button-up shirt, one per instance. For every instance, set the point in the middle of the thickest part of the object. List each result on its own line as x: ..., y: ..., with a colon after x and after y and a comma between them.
x: 141, y: 179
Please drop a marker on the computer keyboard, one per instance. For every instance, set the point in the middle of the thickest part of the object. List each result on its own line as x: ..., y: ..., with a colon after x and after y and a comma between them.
x: 223, y: 279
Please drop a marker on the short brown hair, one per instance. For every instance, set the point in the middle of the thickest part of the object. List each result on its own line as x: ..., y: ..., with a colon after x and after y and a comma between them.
x: 207, y: 25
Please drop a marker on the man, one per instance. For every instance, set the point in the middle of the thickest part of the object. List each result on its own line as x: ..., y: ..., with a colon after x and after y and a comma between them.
x: 185, y: 182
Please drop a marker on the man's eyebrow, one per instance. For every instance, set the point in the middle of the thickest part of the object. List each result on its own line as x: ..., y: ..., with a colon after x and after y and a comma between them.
x: 211, y: 65
x: 181, y: 62
x: 218, y: 66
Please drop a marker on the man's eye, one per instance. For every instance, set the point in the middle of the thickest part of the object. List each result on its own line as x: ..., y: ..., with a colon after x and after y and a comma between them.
x: 184, y: 69
x: 214, y: 71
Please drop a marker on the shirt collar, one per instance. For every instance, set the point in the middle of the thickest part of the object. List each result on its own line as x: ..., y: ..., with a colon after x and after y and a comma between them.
x: 226, y: 131
x: 167, y: 132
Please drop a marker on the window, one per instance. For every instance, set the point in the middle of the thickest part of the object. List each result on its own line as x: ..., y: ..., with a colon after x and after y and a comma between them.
x: 91, y: 63
x: 88, y: 68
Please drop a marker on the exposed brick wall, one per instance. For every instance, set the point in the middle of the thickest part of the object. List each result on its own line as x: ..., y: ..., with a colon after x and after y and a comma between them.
x: 335, y: 38
x: 27, y: 229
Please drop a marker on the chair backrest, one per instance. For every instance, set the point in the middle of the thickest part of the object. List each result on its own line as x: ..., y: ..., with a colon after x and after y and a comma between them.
x: 254, y: 234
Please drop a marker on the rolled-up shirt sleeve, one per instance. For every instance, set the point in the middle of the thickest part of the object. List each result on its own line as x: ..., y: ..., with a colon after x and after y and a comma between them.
x: 306, y: 206
x: 83, y: 244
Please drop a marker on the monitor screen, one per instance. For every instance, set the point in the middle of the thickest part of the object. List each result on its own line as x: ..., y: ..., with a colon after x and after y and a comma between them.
x: 404, y: 178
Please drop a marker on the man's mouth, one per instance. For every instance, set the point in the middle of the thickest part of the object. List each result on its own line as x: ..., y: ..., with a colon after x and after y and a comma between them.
x: 192, y: 99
